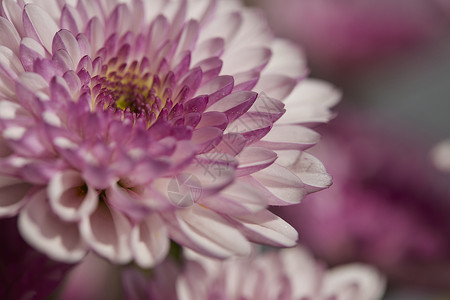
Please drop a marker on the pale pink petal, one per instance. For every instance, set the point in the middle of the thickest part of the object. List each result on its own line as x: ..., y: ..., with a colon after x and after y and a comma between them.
x: 107, y: 232
x: 307, y: 167
x: 10, y: 63
x: 287, y: 59
x: 283, y: 137
x: 278, y: 86
x: 12, y: 195
x: 39, y: 24
x: 13, y: 12
x: 245, y: 60
x: 253, y: 159
x: 44, y: 230
x: 267, y: 228
x: 149, y: 241
x: 310, y: 102
x: 9, y: 36
x: 212, y: 47
x: 353, y: 282
x: 282, y: 183
x: 219, y: 240
x: 65, y: 40
x: 70, y: 197
x: 236, y: 199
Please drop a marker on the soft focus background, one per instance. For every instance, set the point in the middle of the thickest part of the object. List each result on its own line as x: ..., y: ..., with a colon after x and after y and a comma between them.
x: 388, y: 206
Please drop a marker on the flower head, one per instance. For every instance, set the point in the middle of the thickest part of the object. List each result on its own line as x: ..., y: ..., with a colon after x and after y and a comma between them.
x: 126, y: 124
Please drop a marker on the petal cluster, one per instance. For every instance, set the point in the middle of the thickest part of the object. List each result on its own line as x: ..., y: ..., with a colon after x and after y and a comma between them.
x: 290, y: 274
x: 128, y: 123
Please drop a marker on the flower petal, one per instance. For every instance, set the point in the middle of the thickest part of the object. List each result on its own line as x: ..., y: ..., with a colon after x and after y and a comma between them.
x: 45, y: 231
x: 149, y: 241
x: 207, y: 232
x: 12, y: 195
x: 70, y: 197
x: 266, y: 228
x: 39, y: 24
x: 107, y: 232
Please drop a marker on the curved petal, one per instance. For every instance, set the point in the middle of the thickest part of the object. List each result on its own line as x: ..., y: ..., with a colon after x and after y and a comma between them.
x: 282, y: 186
x: 12, y: 195
x: 107, y: 231
x: 307, y: 167
x: 39, y: 24
x: 267, y: 228
x: 353, y: 281
x: 284, y: 137
x: 41, y: 228
x: 70, y: 197
x: 310, y: 102
x: 207, y: 232
x: 149, y: 241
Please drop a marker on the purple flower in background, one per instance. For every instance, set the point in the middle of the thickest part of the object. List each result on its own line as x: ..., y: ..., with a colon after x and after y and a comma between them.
x: 24, y: 272
x: 287, y: 274
x: 387, y: 205
x: 342, y: 35
x: 124, y: 125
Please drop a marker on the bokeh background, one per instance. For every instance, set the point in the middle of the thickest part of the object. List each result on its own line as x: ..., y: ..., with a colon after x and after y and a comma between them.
x: 389, y: 206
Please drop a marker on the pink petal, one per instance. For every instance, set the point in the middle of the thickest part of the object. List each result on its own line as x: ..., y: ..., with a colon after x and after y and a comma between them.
x: 217, y: 88
x: 67, y: 198
x: 41, y: 228
x: 188, y: 36
x: 206, y: 138
x: 266, y: 228
x: 30, y: 50
x: 252, y: 128
x: 107, y: 232
x: 213, y: 119
x: 39, y: 24
x: 12, y: 195
x: 71, y: 19
x: 149, y: 241
x: 235, y: 104
x: 65, y: 40
x: 209, y: 233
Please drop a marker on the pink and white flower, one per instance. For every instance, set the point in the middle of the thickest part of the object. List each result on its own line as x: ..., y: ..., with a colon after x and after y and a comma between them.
x: 107, y: 107
x: 286, y: 274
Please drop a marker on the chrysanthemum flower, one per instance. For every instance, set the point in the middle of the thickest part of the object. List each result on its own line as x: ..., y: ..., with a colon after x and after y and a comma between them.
x: 291, y: 274
x: 124, y: 125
